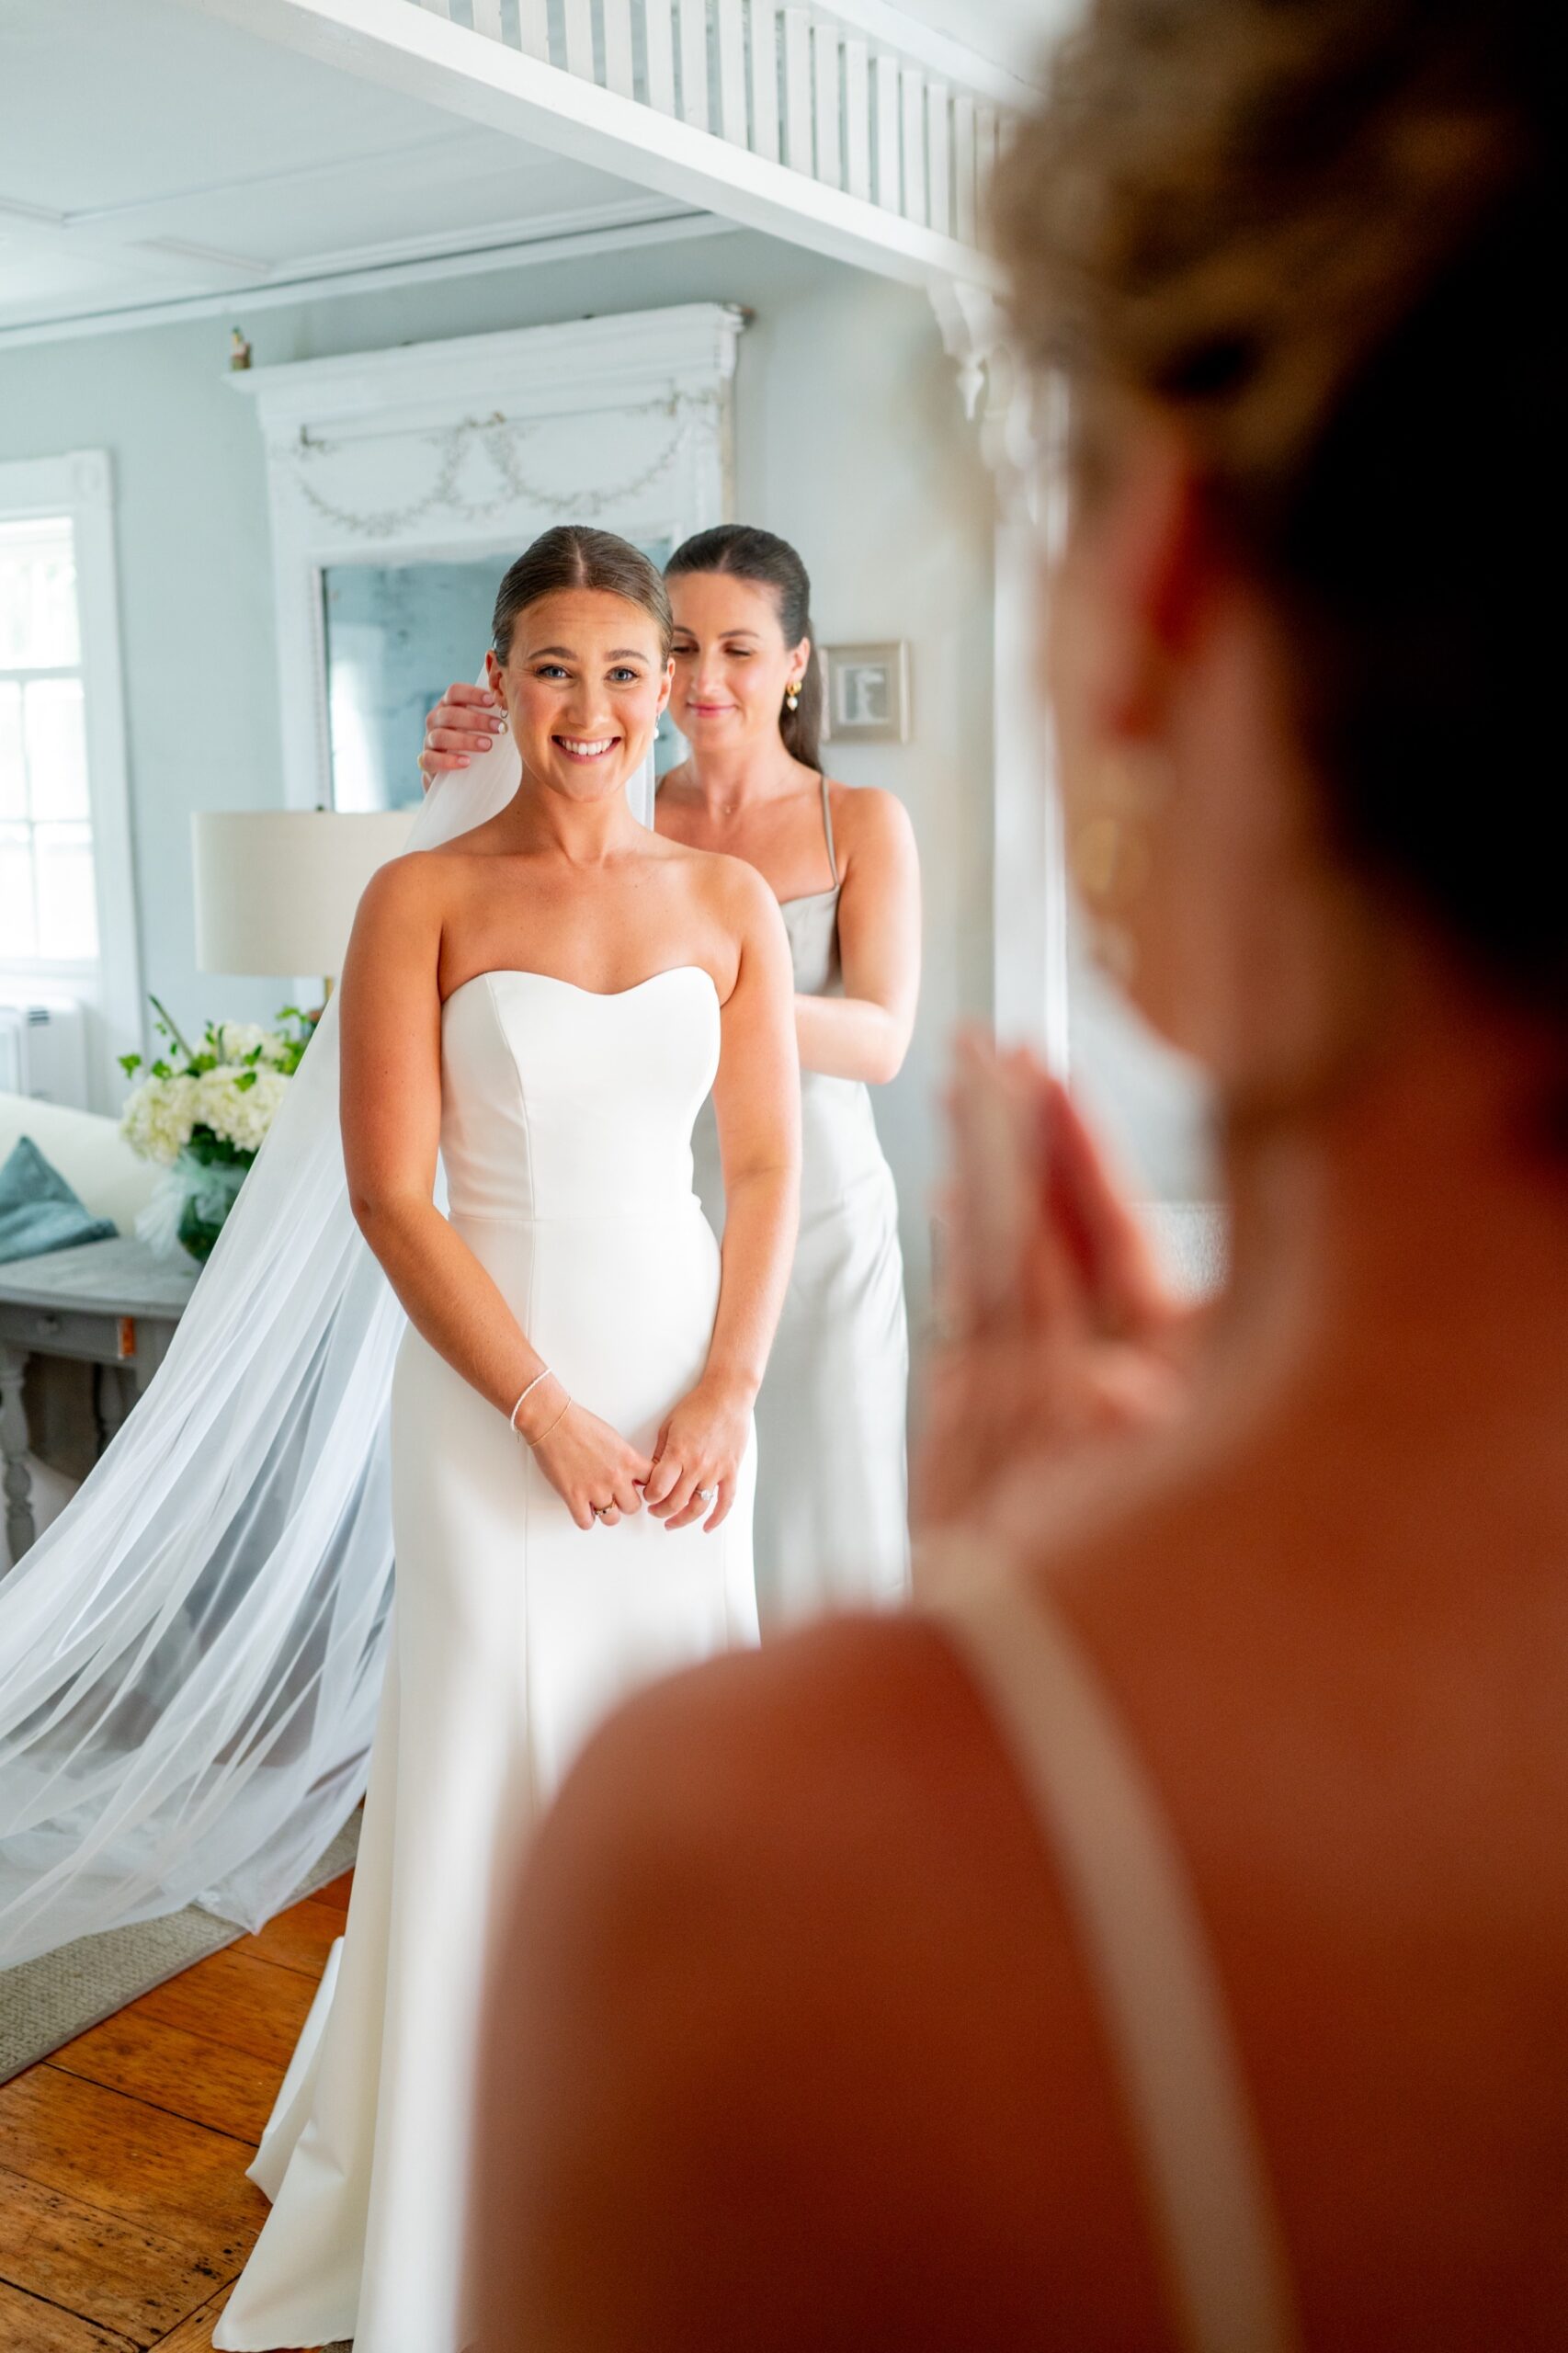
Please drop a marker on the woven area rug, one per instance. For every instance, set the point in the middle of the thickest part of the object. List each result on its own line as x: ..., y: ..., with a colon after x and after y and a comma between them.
x: 47, y: 2002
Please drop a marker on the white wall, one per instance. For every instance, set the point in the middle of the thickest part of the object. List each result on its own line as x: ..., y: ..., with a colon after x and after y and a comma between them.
x: 853, y: 444
x: 849, y: 439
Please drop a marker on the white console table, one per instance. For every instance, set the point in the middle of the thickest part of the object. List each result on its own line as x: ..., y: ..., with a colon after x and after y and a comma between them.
x: 112, y: 1304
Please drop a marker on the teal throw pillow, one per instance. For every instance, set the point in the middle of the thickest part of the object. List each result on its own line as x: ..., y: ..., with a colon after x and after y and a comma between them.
x: 37, y: 1209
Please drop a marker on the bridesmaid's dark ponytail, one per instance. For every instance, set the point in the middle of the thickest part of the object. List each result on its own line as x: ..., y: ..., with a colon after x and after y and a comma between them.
x: 751, y: 553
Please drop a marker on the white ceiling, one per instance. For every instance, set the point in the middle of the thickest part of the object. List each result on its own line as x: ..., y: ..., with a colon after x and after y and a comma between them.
x: 150, y: 153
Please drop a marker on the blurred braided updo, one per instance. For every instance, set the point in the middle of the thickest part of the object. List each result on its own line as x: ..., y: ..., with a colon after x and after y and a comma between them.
x: 1316, y: 233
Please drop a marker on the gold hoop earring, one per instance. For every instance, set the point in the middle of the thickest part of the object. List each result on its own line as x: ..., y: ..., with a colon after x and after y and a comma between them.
x: 1112, y: 854
x: 792, y: 695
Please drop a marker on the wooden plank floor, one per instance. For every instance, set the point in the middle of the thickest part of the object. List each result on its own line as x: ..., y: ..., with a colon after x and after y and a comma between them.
x: 125, y: 2214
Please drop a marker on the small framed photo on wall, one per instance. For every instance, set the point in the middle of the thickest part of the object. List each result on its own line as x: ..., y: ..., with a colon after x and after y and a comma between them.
x: 867, y: 693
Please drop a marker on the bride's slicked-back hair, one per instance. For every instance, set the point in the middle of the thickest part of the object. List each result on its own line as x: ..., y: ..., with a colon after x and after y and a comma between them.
x: 748, y: 552
x: 1319, y: 235
x: 573, y: 555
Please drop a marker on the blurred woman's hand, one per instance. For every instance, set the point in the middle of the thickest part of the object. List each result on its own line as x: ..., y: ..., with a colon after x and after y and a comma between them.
x: 465, y: 723
x: 1059, y: 1331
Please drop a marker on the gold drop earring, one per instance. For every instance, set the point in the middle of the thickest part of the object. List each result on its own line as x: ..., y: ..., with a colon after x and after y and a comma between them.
x: 1111, y: 853
x: 792, y: 695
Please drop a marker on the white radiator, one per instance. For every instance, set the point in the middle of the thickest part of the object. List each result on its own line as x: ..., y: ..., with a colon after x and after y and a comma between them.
x: 43, y: 1052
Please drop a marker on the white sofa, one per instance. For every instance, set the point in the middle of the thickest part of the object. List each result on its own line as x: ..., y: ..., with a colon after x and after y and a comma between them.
x: 89, y: 1152
x: 101, y: 1168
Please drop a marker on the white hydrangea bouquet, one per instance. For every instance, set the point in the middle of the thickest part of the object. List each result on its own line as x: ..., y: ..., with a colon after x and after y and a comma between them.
x: 203, y: 1113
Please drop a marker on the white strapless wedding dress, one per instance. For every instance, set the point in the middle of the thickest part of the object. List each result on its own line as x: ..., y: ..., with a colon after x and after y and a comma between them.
x: 566, y: 1138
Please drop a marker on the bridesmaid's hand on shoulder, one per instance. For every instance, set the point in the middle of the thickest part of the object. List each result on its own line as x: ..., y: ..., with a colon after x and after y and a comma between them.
x: 464, y: 723
x: 598, y: 1475
x: 697, y: 1456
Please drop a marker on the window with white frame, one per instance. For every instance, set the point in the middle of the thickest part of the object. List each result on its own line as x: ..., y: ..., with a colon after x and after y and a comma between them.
x: 47, y: 903
x: 67, y: 900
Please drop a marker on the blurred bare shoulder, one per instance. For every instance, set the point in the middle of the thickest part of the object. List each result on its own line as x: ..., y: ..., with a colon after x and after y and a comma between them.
x: 760, y: 1887
x: 723, y: 1744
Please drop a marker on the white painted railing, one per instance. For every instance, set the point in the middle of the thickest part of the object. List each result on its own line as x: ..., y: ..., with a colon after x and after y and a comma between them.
x: 847, y: 96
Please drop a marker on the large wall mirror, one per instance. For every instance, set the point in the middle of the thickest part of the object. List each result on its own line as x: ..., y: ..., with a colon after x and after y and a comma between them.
x: 394, y: 635
x: 403, y: 483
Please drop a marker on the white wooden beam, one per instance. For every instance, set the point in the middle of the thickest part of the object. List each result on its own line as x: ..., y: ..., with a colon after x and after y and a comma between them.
x: 579, y: 26
x: 429, y: 59
x: 765, y: 79
x: 826, y: 103
x: 800, y: 143
x: 889, y: 26
x: 533, y: 29
x: 620, y: 72
x: 938, y: 157
x: 659, y: 31
x: 857, y: 118
x: 966, y: 195
x: 915, y: 202
x: 731, y: 29
x: 889, y: 168
x: 693, y: 63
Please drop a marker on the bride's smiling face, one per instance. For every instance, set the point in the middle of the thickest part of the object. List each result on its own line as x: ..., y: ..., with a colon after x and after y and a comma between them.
x: 583, y: 683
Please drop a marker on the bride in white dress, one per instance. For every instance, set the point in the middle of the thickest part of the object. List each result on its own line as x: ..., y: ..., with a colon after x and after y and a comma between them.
x: 546, y: 1004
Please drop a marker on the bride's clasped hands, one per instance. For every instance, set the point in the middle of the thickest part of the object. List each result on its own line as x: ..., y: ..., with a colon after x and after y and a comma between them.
x: 691, y: 1474
x: 596, y: 1474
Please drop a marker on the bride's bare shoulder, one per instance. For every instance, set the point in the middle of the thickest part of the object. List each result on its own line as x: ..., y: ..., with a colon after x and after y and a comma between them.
x: 728, y: 896
x: 409, y: 898
x: 404, y: 886
x: 732, y: 891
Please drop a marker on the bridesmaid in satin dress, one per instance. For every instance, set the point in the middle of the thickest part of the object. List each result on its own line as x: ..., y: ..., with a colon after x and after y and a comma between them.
x: 830, y: 1517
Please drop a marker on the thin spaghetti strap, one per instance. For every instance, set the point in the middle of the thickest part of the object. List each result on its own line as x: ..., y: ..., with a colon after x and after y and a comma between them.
x: 827, y: 828
x: 1149, y: 1957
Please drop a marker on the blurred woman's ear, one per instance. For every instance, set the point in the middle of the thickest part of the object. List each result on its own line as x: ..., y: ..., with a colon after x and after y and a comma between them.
x: 1120, y: 605
x: 1193, y: 825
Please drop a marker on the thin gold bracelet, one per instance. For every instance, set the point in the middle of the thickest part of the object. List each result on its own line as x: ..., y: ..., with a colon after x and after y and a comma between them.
x: 531, y: 1443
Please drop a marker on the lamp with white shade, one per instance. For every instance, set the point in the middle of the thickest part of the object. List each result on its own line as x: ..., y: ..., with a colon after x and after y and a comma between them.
x: 277, y: 890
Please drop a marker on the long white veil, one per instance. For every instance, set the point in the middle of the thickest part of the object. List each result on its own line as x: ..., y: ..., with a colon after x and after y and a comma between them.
x: 191, y: 1656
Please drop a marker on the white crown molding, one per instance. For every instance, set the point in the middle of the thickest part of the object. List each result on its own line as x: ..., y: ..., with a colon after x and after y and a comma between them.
x: 566, y: 370
x: 374, y: 269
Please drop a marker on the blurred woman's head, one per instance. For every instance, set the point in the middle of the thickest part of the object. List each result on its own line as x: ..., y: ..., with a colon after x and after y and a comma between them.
x: 746, y: 667
x: 1293, y: 263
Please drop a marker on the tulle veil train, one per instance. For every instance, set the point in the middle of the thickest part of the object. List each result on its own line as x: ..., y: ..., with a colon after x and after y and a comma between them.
x: 191, y: 1655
